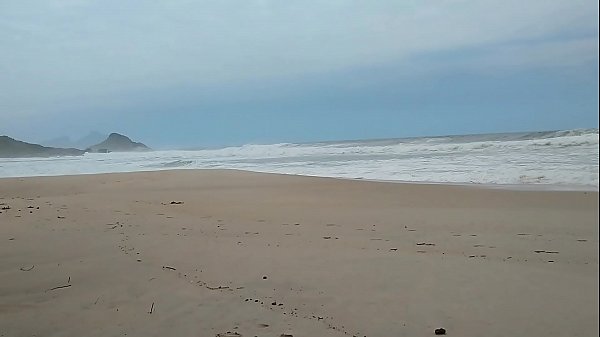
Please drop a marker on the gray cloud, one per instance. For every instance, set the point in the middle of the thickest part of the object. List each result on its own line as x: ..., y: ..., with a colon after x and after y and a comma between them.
x: 54, y: 52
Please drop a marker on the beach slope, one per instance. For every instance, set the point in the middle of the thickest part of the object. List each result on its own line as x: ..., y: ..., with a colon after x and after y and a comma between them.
x: 230, y: 253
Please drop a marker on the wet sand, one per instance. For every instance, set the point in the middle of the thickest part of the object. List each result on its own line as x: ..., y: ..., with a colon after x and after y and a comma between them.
x: 229, y: 253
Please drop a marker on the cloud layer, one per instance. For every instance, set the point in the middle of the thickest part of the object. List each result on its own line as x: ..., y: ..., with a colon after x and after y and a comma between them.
x: 61, y: 55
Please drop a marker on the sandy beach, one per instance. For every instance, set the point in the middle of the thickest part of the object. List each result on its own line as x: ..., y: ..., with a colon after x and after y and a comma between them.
x: 231, y: 253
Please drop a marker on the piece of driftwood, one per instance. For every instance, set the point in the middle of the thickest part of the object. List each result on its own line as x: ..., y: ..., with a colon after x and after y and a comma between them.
x: 59, y: 287
x: 217, y: 288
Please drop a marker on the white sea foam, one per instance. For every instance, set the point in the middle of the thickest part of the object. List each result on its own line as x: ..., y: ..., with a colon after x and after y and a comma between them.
x: 567, y: 158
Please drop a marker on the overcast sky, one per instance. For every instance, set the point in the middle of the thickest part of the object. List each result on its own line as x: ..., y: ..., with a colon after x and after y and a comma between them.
x: 179, y: 73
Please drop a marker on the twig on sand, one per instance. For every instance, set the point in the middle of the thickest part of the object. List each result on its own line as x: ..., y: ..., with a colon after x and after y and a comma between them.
x: 27, y: 269
x: 217, y: 288
x: 59, y: 287
x: 168, y: 267
x: 151, y: 308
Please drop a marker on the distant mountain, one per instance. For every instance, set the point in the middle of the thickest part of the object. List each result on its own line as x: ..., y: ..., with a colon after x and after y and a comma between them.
x: 63, y: 142
x: 117, y: 143
x: 90, y: 139
x: 12, y: 148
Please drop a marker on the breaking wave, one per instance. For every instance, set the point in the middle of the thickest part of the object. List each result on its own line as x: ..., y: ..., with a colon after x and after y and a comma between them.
x: 568, y: 157
x: 174, y: 164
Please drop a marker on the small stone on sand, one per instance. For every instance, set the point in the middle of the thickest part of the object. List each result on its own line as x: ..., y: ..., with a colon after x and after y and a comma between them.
x: 440, y: 331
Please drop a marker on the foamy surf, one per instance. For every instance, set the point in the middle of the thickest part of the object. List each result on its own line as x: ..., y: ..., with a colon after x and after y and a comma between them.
x: 567, y: 159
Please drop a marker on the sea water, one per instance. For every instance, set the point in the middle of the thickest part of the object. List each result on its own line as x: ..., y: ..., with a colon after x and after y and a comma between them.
x: 557, y: 158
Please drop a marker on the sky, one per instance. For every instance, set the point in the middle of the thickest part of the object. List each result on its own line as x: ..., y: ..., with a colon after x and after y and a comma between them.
x: 183, y: 73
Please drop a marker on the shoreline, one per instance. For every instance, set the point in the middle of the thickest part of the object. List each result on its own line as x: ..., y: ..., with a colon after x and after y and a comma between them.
x: 516, y: 187
x: 219, y: 252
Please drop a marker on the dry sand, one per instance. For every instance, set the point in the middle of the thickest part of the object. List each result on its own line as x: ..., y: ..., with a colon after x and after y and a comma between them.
x: 264, y: 255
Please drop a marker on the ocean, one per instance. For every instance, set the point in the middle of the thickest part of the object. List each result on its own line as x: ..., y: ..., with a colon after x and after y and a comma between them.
x: 567, y: 159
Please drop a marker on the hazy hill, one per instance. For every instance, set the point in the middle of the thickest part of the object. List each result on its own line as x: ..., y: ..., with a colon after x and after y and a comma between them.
x: 90, y: 139
x: 117, y: 143
x: 12, y: 148
x: 63, y: 142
